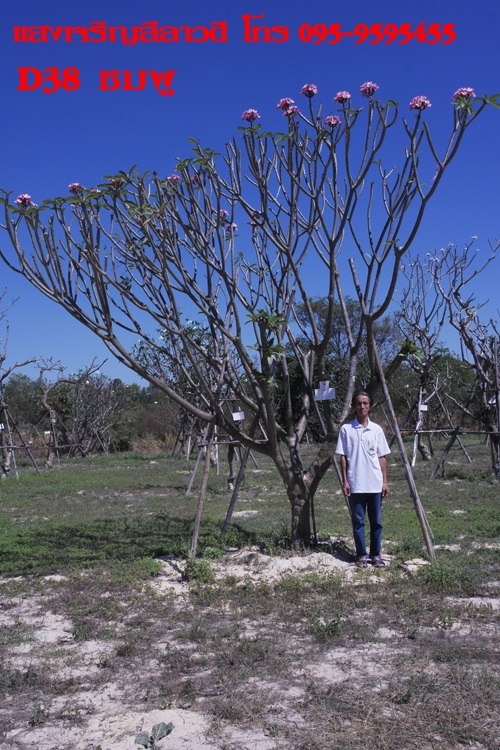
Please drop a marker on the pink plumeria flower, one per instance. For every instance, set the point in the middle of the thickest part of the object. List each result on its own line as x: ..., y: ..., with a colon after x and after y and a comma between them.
x: 223, y: 214
x: 231, y: 228
x: 116, y: 182
x: 464, y: 93
x: 420, y: 103
x: 368, y: 89
x: 75, y: 188
x: 25, y: 201
x: 256, y: 216
x: 95, y: 191
x: 342, y: 97
x: 285, y: 103
x: 332, y: 121
x: 309, y: 90
x: 173, y: 179
x: 250, y: 115
x: 291, y: 111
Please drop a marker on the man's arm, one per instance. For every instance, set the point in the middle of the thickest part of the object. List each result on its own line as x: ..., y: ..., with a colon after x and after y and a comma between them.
x: 346, y: 487
x: 383, y: 468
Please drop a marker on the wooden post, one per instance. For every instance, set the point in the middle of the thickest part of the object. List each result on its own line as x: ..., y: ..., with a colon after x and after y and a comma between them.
x: 418, y: 427
x: 203, y: 489
x: 7, y: 449
x: 455, y: 433
x: 239, y: 479
x: 424, y: 523
x: 497, y: 404
x: 447, y: 414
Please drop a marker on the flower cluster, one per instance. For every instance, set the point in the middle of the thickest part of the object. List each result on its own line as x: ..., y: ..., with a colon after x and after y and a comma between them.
x: 288, y: 106
x: 229, y: 228
x: 332, y: 121
x: 463, y: 93
x: 368, y: 89
x: 116, y: 182
x: 342, y: 97
x: 461, y: 98
x: 174, y: 179
x: 95, y: 191
x: 25, y: 201
x: 309, y: 90
x: 75, y: 188
x: 256, y: 216
x: 250, y: 115
x: 420, y: 103
x: 285, y: 103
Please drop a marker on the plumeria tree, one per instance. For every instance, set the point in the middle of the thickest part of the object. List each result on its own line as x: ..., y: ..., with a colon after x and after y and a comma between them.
x: 452, y: 271
x: 83, y: 409
x: 236, y: 242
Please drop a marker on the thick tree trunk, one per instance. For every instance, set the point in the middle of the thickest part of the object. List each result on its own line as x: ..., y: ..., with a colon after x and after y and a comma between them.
x: 495, y: 454
x: 423, y: 449
x: 6, y: 453
x: 231, y: 460
x: 300, y: 502
x: 301, y: 488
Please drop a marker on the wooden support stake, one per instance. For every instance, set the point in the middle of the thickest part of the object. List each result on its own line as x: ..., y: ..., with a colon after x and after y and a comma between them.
x: 204, y: 483
x: 424, y: 523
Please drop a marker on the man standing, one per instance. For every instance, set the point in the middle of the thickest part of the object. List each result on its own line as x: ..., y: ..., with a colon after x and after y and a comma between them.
x: 363, y: 449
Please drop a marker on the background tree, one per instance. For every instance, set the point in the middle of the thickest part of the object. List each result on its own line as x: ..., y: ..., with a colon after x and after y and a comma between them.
x: 7, y: 421
x: 148, y: 419
x: 444, y: 380
x: 169, y: 363
x: 453, y: 271
x: 58, y: 399
x: 95, y: 409
x: 23, y: 397
x: 140, y: 253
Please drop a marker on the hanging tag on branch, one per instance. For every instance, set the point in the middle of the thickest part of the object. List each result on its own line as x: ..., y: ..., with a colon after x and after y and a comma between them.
x: 324, y: 392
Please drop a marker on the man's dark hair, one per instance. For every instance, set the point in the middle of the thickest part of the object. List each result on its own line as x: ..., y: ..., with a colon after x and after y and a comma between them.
x: 361, y: 393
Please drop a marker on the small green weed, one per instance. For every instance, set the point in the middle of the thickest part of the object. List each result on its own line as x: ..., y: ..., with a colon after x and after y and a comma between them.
x: 326, y: 626
x: 199, y: 571
x: 158, y: 732
x: 39, y: 715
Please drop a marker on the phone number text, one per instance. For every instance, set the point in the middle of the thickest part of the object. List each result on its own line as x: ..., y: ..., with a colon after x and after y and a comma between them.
x: 378, y: 33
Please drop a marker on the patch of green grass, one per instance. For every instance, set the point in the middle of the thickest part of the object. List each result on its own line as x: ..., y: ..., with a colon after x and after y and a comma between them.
x: 445, y: 579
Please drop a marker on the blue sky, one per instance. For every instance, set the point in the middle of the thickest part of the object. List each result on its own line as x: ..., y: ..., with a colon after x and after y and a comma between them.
x: 51, y: 140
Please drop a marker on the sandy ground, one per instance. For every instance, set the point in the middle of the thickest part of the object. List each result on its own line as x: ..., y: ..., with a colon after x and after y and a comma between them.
x: 105, y: 724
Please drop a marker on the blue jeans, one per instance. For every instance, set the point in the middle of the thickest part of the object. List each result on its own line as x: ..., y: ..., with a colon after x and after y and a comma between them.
x: 359, y: 504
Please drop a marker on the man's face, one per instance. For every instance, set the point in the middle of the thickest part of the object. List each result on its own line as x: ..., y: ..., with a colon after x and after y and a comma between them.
x: 362, y: 407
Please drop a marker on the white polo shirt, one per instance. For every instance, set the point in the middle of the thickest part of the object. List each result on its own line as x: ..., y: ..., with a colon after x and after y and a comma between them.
x: 362, y: 447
